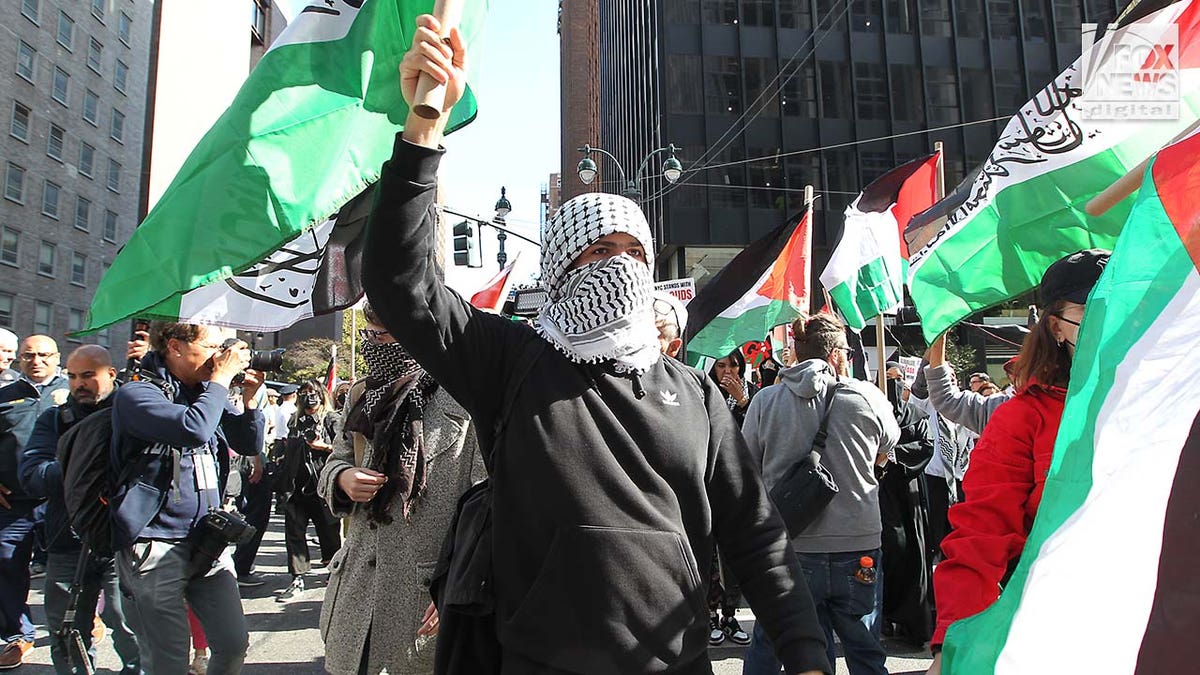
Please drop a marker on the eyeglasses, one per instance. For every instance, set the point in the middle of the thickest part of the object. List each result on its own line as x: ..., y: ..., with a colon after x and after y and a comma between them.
x: 371, y: 335
x: 30, y: 356
x: 1073, y: 323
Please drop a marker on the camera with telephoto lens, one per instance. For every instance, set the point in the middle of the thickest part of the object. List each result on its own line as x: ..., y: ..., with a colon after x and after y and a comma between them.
x: 260, y: 359
x: 217, y: 530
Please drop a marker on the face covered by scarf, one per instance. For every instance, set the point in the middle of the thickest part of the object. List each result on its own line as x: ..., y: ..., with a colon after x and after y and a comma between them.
x: 601, y: 311
x: 390, y: 413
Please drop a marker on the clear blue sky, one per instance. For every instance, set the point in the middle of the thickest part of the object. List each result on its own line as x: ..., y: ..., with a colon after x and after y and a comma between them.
x: 513, y: 145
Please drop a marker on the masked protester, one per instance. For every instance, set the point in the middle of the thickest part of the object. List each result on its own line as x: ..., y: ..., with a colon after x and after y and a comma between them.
x: 309, y: 441
x: 407, y: 453
x: 1009, y: 464
x: 612, y: 469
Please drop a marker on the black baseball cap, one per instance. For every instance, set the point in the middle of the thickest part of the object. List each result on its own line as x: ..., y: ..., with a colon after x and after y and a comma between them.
x: 288, y: 389
x: 1072, y: 277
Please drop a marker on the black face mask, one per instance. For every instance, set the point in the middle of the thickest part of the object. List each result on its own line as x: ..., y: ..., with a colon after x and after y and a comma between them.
x: 310, y: 400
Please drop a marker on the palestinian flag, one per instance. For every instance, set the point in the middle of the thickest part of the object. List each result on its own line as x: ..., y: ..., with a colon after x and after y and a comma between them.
x: 990, y: 240
x: 331, y: 370
x: 493, y: 296
x: 1107, y: 581
x: 766, y: 285
x: 865, y: 274
x: 310, y: 129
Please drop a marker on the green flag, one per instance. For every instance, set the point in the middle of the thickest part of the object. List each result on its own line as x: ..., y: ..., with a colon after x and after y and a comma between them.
x: 310, y: 129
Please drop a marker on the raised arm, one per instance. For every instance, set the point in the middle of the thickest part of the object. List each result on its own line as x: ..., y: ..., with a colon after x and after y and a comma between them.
x: 462, y: 348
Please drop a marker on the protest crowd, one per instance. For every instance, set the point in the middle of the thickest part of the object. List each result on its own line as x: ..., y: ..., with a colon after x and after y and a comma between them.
x: 496, y: 496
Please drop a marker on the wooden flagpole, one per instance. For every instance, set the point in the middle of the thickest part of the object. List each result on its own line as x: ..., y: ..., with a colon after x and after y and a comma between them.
x: 431, y: 95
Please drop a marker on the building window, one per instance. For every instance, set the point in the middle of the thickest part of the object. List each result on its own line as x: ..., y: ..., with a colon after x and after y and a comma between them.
x: 110, y: 226
x: 43, y: 314
x: 78, y: 269
x: 87, y: 158
x: 95, y: 51
x: 835, y: 89
x: 258, y: 21
x: 729, y: 182
x: 1010, y: 92
x: 831, y: 8
x: 14, y: 183
x: 62, y: 83
x: 66, y: 31
x: 114, y: 175
x: 83, y: 213
x: 865, y: 16
x: 98, y: 10
x: 29, y: 9
x: 1035, y: 20
x: 872, y: 95
x: 1067, y: 20
x: 46, y: 256
x: 794, y: 14
x: 799, y: 94
x: 908, y: 103
x: 900, y: 15
x: 102, y: 338
x: 941, y: 87
x: 723, y: 85
x: 803, y: 169
x: 25, y: 57
x: 840, y: 170
x: 124, y: 28
x: 683, y: 72
x: 55, y: 141
x: 10, y: 242
x: 935, y: 18
x: 977, y: 94
x: 765, y: 177
x: 20, y: 121
x: 686, y: 12
x: 117, y: 132
x: 969, y: 18
x: 74, y: 324
x: 120, y: 75
x: 874, y: 165
x: 758, y: 12
x: 719, y: 11
x: 50, y: 194
x: 91, y: 108
x: 1002, y: 17
x: 760, y: 76
x: 6, y: 310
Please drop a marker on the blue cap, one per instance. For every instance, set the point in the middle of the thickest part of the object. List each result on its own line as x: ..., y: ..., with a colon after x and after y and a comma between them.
x: 288, y: 389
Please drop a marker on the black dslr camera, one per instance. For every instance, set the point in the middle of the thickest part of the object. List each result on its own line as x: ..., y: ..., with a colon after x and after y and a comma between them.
x: 217, y: 530
x: 260, y: 359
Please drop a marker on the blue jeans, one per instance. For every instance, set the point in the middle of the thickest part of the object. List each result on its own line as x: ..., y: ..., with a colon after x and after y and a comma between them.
x: 16, y: 546
x: 842, y: 602
x: 101, y: 576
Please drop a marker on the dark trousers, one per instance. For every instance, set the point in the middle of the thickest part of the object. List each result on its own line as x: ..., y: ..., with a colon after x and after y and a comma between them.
x: 101, y: 576
x: 939, y: 506
x: 16, y: 547
x: 299, y: 510
x: 255, y: 505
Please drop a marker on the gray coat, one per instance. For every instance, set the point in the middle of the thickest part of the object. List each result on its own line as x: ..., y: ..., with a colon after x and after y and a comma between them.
x: 962, y: 407
x: 379, y: 580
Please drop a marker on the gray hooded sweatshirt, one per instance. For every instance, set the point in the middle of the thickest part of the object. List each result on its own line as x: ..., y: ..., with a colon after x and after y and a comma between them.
x: 780, y: 425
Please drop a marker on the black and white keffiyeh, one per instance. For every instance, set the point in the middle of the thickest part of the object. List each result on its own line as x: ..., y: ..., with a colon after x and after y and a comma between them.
x: 601, y: 311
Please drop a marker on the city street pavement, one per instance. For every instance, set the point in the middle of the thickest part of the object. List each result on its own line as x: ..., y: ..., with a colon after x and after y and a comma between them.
x: 284, y: 639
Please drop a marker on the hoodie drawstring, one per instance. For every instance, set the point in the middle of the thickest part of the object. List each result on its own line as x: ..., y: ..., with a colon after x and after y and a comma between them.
x: 638, y: 392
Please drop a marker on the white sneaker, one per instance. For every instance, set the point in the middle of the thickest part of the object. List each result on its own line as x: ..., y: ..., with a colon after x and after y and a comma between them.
x: 716, y: 634
x: 199, y: 664
x: 293, y: 589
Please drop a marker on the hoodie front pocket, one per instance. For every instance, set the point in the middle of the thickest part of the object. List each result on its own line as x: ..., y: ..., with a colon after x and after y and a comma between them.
x: 612, y: 600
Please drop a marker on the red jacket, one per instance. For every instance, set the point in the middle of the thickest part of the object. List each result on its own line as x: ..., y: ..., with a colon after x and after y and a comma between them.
x: 1003, y: 488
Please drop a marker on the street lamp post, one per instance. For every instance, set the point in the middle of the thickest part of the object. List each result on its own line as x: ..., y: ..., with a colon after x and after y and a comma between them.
x: 587, y: 169
x: 503, y: 208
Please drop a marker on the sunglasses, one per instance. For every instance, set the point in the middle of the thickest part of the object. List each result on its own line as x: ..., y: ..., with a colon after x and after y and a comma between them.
x: 30, y: 356
x: 371, y: 335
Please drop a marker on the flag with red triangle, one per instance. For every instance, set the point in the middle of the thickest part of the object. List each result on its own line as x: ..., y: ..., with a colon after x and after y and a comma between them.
x: 493, y: 296
x: 766, y: 285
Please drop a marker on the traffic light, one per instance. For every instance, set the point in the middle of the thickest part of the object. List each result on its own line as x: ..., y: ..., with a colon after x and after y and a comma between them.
x: 466, y: 245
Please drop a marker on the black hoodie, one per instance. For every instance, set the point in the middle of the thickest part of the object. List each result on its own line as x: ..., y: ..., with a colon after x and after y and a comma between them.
x: 607, y: 490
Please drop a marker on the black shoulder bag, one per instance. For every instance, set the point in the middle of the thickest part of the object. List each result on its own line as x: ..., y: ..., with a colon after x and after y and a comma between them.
x: 807, y: 487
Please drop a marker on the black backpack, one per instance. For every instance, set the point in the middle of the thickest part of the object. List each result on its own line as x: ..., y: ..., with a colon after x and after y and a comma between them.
x: 84, y: 455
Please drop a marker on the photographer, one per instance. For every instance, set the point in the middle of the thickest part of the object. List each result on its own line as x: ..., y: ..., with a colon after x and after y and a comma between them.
x: 170, y: 430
